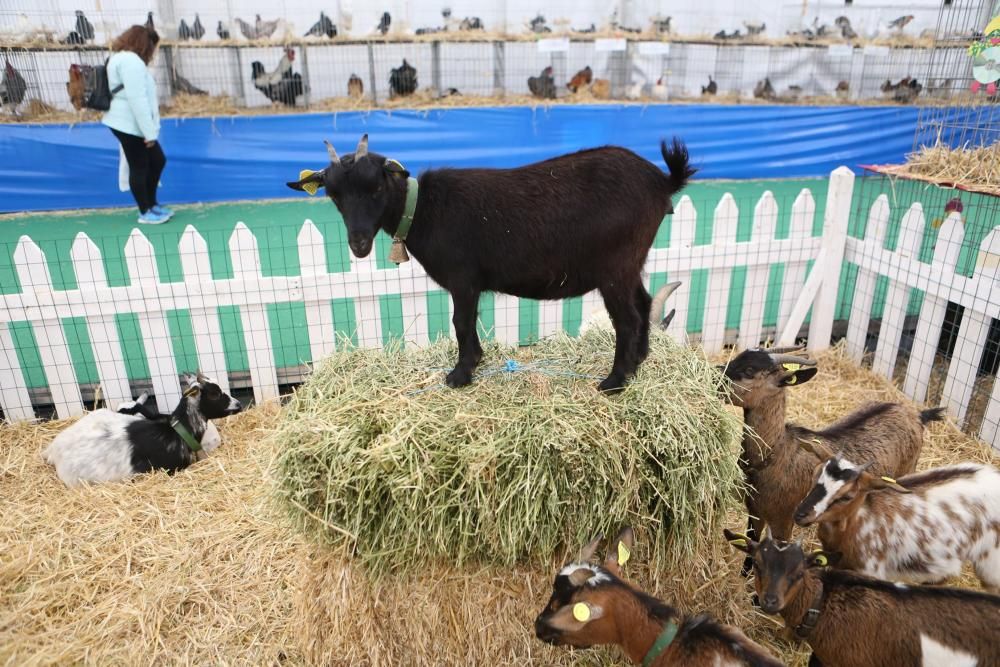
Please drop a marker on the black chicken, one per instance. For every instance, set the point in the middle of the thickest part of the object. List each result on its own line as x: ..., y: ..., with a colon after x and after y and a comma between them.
x: 323, y: 27
x: 403, y: 80
x: 543, y: 85
x: 84, y: 28
x: 183, y: 31
x: 222, y: 31
x: 281, y: 85
x: 712, y: 88
x: 383, y: 24
x: 149, y: 22
x: 182, y: 85
x: 12, y: 86
x: 197, y: 29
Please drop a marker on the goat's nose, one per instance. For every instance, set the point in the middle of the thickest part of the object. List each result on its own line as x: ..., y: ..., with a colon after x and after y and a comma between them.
x: 770, y: 602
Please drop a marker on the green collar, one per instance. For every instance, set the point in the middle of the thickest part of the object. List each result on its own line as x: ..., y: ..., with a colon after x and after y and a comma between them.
x: 661, y: 644
x: 411, y: 207
x: 185, y: 434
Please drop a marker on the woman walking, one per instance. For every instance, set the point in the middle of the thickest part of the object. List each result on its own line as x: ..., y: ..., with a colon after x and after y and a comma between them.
x: 134, y: 118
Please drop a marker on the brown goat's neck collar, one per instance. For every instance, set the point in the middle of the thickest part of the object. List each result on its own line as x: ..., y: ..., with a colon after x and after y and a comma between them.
x: 809, y: 607
x: 638, y: 631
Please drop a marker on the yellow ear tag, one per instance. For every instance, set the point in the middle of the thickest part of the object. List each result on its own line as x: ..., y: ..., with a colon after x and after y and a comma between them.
x: 311, y: 188
x: 623, y: 554
x: 738, y: 543
x: 820, y: 560
x: 888, y: 479
x: 581, y: 612
x: 792, y: 367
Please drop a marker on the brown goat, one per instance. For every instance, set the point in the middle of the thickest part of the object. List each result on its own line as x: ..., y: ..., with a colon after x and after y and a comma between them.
x: 591, y: 605
x: 851, y: 620
x: 777, y: 468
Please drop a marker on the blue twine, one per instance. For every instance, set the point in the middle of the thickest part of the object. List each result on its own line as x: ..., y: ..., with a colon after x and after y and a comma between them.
x: 511, y: 366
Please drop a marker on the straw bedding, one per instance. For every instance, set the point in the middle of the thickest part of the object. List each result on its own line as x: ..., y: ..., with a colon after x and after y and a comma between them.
x: 198, y: 568
x: 975, y: 169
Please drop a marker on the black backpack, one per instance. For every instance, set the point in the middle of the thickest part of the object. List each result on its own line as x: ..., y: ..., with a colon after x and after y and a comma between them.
x: 92, y: 90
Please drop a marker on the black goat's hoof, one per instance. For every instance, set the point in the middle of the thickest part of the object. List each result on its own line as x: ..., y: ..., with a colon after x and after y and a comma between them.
x: 459, y: 377
x: 611, y: 385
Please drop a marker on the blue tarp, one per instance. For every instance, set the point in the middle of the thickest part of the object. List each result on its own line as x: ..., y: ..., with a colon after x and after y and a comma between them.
x: 45, y: 167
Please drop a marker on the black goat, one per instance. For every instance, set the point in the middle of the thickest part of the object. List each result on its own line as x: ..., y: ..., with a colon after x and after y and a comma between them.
x: 550, y: 230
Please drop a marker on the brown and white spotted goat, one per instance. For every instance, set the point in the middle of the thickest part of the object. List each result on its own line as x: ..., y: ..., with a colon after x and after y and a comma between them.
x: 591, y: 605
x: 922, y: 527
x: 850, y: 620
x: 777, y: 469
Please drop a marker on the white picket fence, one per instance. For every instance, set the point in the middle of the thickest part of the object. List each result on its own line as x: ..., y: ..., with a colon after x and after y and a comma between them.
x: 251, y: 292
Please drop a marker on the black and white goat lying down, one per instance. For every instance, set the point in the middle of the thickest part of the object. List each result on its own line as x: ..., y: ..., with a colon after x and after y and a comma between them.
x: 109, y: 446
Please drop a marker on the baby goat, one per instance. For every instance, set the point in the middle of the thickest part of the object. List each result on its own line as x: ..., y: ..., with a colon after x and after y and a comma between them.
x: 142, y: 407
x: 776, y: 467
x: 591, y: 605
x: 854, y: 621
x: 920, y: 528
x: 107, y: 446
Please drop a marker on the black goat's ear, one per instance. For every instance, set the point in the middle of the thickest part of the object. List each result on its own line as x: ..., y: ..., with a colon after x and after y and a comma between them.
x: 739, y: 541
x: 309, y: 181
x: 798, y: 375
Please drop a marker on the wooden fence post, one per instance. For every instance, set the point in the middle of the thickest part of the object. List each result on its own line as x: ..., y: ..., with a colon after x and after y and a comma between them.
x: 835, y: 221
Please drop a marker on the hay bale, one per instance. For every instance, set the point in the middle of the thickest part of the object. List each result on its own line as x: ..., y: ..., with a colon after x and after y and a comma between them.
x: 378, y: 456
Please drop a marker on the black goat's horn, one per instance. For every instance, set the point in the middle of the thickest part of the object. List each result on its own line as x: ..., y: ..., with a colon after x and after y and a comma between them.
x: 362, y: 149
x: 334, y: 158
x: 792, y: 359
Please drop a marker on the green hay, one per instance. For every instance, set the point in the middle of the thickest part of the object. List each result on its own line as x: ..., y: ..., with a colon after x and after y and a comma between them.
x: 377, y: 456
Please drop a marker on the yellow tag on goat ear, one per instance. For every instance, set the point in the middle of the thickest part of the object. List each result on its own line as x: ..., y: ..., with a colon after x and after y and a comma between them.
x: 820, y: 559
x: 581, y: 612
x: 623, y: 554
x: 739, y: 542
x: 791, y: 367
x: 888, y: 479
x: 311, y: 188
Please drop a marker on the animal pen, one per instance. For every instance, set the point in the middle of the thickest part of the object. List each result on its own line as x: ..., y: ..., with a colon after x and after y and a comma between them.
x: 856, y: 223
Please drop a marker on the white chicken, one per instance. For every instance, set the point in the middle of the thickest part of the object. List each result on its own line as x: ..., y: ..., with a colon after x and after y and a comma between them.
x: 660, y: 90
x: 634, y: 92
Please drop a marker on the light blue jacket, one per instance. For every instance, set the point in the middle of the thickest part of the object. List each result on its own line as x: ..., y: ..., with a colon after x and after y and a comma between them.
x: 134, y: 109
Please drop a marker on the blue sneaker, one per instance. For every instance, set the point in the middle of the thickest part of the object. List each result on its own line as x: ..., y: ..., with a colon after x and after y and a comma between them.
x: 163, y: 210
x: 151, y: 217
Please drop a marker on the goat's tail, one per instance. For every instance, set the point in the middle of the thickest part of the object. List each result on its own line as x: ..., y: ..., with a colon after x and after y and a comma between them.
x: 656, y: 310
x: 678, y: 163
x: 931, y: 415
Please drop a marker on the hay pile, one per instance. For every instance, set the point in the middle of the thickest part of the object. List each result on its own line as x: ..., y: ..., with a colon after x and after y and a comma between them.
x: 974, y: 169
x: 197, y: 569
x: 379, y: 457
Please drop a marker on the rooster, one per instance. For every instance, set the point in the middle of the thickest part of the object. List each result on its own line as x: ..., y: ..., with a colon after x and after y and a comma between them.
x: 281, y: 85
x: 712, y: 88
x: 954, y: 205
x: 403, y: 80
x: 77, y: 86
x: 12, y: 87
x: 543, y: 85
x: 764, y: 90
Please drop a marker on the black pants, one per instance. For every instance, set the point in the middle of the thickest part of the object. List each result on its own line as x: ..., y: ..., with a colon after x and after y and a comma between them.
x: 145, y: 164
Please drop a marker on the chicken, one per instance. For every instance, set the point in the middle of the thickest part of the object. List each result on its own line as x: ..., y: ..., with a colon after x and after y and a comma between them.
x: 76, y: 86
x: 248, y: 30
x: 846, y: 31
x: 764, y: 90
x: 149, y: 21
x: 601, y: 89
x: 84, y: 28
x: 323, y: 27
x: 182, y: 85
x: 712, y: 88
x: 471, y: 23
x: 634, y: 91
x: 843, y: 90
x: 907, y: 90
x: 355, y: 87
x: 197, y: 29
x: 222, y: 31
x: 661, y: 26
x: 384, y: 23
x: 265, y: 29
x: 281, y: 85
x: 543, y: 85
x: 954, y: 205
x: 403, y: 80
x: 660, y: 90
x: 901, y: 22
x: 754, y: 29
x: 538, y: 25
x: 591, y: 29
x: 183, y: 31
x: 12, y: 87
x: 793, y: 94
x: 581, y: 79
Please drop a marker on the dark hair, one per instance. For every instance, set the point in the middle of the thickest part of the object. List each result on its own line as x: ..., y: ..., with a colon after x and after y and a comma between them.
x: 138, y: 39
